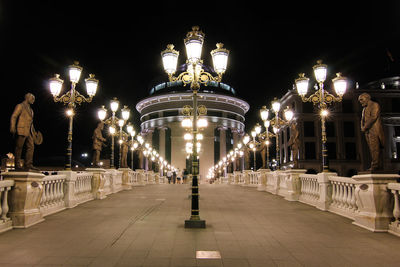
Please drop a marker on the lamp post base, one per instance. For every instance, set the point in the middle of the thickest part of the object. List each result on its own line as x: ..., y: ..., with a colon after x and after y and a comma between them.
x: 195, y: 223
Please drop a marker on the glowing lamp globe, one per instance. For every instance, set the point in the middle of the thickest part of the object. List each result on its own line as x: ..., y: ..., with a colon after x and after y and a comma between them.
x: 91, y: 85
x: 55, y: 85
x: 75, y: 72
x: 340, y: 84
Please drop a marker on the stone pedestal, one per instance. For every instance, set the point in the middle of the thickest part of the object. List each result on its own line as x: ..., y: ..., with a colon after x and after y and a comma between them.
x: 293, y: 184
x: 325, y: 190
x: 25, y: 198
x: 126, y: 184
x: 262, y: 185
x: 373, y: 201
x: 98, y: 182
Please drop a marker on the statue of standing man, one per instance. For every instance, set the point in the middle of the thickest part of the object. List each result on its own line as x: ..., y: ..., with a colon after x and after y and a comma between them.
x: 21, y: 126
x: 371, y: 125
x: 98, y: 143
x: 294, y: 143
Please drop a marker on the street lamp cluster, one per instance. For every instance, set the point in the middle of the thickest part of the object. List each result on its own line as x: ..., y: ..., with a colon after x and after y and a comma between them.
x: 195, y: 76
x: 258, y: 138
x: 114, y: 123
x: 322, y: 99
x: 72, y: 98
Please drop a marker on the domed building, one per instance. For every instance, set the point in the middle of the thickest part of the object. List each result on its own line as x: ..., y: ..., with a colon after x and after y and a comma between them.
x: 161, y: 116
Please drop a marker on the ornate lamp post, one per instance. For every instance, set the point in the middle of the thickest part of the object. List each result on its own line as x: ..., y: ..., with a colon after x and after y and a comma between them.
x: 195, y: 75
x: 322, y: 98
x: 264, y: 112
x: 131, y: 131
x: 72, y: 98
x: 113, y: 122
x: 277, y: 124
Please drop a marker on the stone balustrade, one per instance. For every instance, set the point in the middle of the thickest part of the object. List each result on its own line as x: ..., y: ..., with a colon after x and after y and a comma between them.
x: 38, y: 195
x: 5, y: 222
x: 371, y: 200
x: 52, y: 199
x: 394, y: 226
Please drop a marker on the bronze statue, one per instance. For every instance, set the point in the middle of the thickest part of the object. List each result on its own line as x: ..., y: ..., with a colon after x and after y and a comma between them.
x: 294, y: 143
x: 371, y: 125
x: 21, y: 125
x: 246, y: 158
x: 263, y: 152
x: 124, y: 153
x: 98, y: 143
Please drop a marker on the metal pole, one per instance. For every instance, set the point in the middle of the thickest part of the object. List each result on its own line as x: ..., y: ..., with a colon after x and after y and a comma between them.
x: 254, y: 154
x: 195, y: 221
x: 112, y: 152
x: 325, y: 166
x: 68, y: 163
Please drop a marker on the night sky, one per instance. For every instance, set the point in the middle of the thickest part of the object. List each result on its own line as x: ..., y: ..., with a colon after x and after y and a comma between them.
x: 121, y: 45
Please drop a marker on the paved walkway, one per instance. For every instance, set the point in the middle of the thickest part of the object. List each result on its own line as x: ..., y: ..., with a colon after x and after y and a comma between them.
x: 144, y: 227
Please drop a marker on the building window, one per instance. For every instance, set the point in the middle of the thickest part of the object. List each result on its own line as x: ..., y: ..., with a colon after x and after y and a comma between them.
x: 397, y: 154
x: 350, y: 150
x: 171, y: 113
x: 395, y: 105
x: 153, y: 116
x: 309, y: 149
x: 396, y: 131
x: 347, y: 106
x: 331, y: 146
x: 308, y: 129
x: 330, y: 129
x: 308, y: 107
x: 348, y: 129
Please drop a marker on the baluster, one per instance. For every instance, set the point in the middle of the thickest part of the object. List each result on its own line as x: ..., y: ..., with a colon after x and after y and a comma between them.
x: 340, y: 196
x: 1, y: 206
x: 4, y: 204
x: 44, y: 195
x: 333, y: 193
x: 348, y: 199
x: 396, y: 208
x: 353, y: 197
x: 344, y: 197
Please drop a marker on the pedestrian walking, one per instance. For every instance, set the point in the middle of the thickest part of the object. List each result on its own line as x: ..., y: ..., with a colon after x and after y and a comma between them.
x: 169, y: 176
x: 174, y: 177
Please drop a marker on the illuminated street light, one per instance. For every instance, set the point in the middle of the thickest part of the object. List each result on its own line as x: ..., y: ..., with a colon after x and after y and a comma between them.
x: 195, y: 75
x: 113, y: 121
x: 72, y: 98
x: 322, y: 98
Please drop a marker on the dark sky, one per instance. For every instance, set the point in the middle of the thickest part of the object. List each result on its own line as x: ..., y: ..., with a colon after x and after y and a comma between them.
x: 121, y: 45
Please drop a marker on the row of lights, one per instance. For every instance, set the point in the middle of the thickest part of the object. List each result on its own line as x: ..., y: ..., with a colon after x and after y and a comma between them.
x: 321, y: 98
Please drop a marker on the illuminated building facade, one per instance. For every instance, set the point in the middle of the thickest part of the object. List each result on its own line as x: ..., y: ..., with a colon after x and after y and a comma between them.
x: 348, y: 151
x: 161, y: 117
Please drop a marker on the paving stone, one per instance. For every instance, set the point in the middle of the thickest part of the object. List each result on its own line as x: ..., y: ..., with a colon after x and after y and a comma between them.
x: 145, y: 227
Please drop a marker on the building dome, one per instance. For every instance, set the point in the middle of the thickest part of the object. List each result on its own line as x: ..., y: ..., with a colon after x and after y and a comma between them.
x: 161, y: 116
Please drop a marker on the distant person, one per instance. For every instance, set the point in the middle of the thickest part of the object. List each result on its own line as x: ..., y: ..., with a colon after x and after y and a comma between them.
x: 174, y: 177
x: 184, y: 175
x: 169, y: 176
